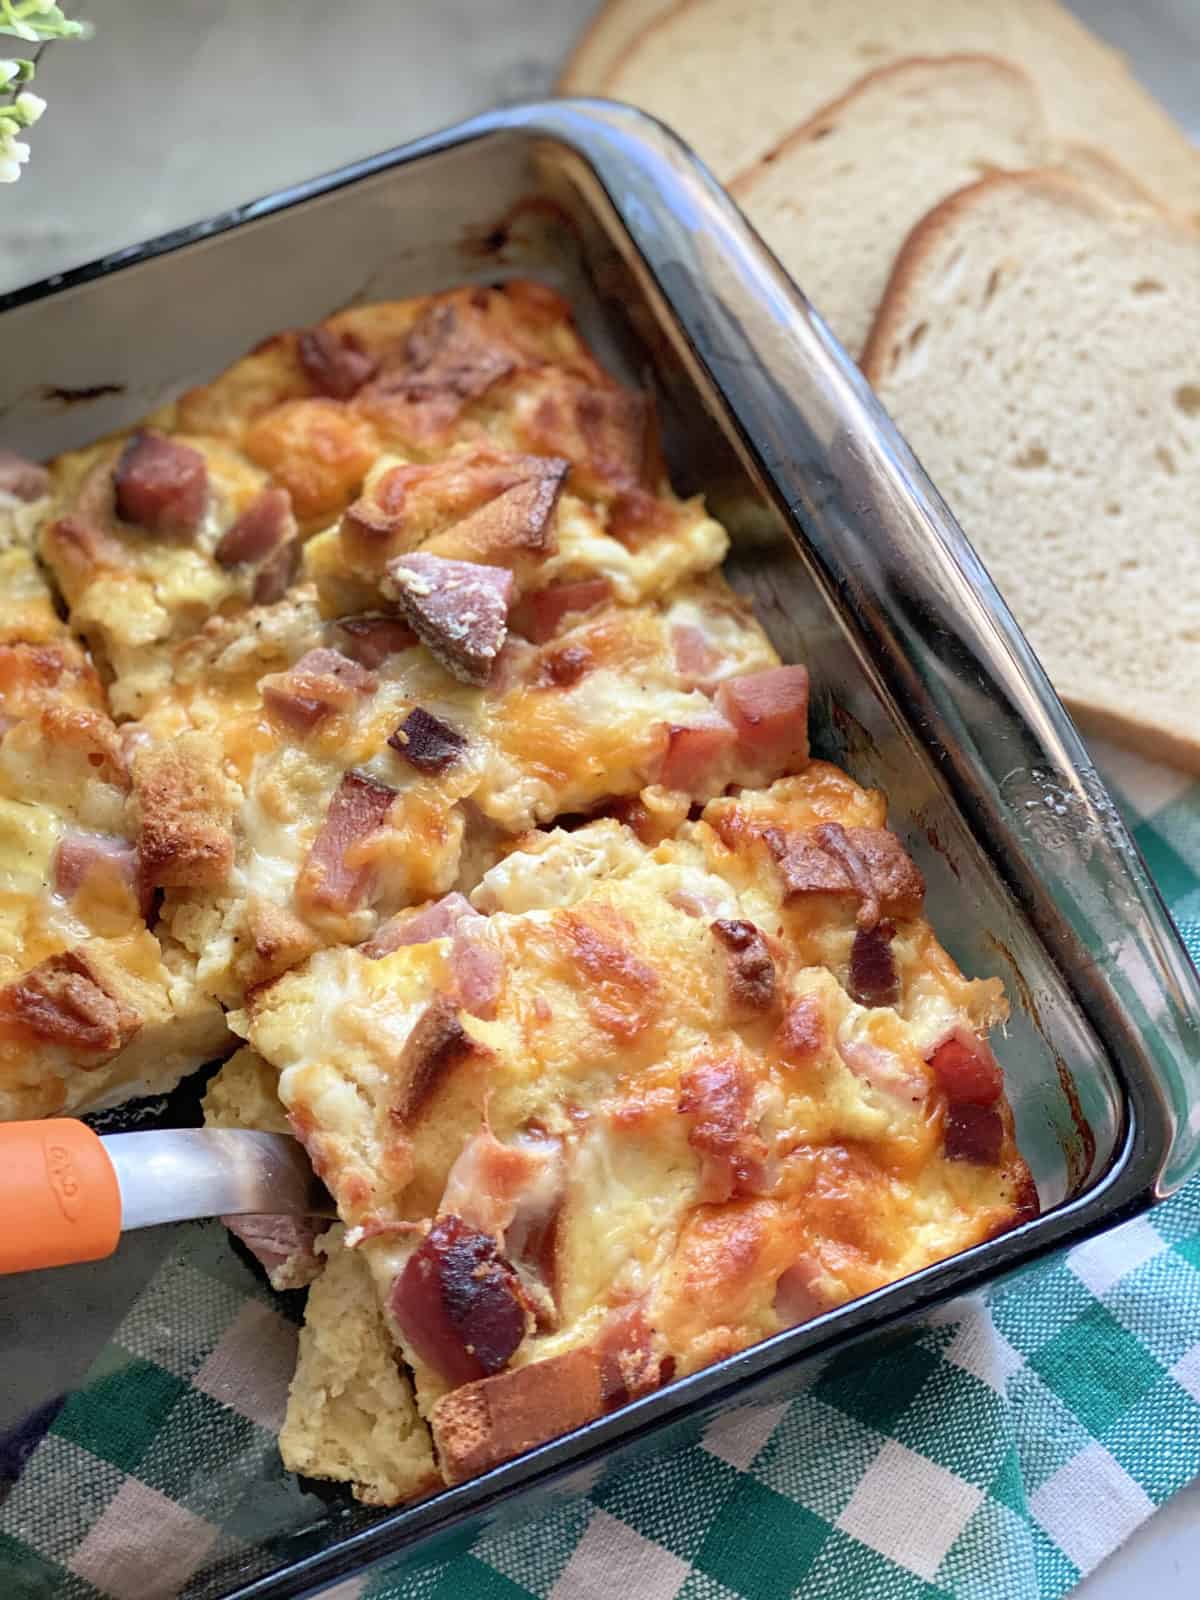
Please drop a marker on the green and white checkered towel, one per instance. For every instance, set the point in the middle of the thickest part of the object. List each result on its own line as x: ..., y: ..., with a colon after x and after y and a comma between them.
x: 1001, y: 1450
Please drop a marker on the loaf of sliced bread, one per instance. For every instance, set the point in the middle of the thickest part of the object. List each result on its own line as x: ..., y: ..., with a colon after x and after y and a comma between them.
x: 839, y: 196
x: 1039, y: 346
x: 735, y: 76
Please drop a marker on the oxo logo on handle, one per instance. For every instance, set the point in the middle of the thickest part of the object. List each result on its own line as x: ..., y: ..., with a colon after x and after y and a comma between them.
x: 64, y: 1179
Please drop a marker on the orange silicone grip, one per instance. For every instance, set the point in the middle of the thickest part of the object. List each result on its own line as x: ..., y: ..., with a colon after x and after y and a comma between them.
x: 59, y: 1197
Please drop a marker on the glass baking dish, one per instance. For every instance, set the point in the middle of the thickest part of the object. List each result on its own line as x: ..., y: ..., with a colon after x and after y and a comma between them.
x: 922, y: 685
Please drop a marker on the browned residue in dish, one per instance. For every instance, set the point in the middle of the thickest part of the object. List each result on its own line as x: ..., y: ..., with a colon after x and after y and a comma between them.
x: 1017, y: 979
x: 1081, y: 1150
x: 490, y: 241
x: 60, y: 395
x: 936, y: 842
x: 855, y: 738
x: 1078, y: 1146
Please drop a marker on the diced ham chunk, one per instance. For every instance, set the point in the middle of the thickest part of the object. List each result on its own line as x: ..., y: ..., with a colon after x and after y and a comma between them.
x: 695, y: 658
x: 968, y: 1071
x: 718, y: 1098
x: 285, y: 1247
x: 499, y: 1187
x: 769, y: 709
x: 874, y: 980
x: 542, y: 611
x: 321, y: 683
x: 802, y: 1036
x: 262, y: 529
x: 459, y: 609
x: 630, y: 1365
x: 869, y: 864
x: 95, y: 858
x: 973, y: 1133
x: 419, y: 926
x: 426, y: 742
x: 751, y: 976
x: 694, y: 905
x: 885, y: 1071
x: 161, y: 485
x: 694, y: 753
x: 372, y: 637
x: 477, y: 966
x: 23, y: 480
x: 274, y: 577
x: 337, y: 367
x: 458, y: 1303
x: 798, y: 1293
x: 331, y: 878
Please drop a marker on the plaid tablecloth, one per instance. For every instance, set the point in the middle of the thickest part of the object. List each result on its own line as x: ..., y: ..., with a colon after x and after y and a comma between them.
x: 1001, y: 1450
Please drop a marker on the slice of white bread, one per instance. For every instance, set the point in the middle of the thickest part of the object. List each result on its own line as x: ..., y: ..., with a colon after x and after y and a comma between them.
x: 604, y: 40
x: 734, y: 76
x: 351, y: 1415
x: 839, y: 196
x: 1039, y: 346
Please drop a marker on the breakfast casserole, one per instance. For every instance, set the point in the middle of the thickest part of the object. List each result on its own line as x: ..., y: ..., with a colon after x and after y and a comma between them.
x: 380, y: 702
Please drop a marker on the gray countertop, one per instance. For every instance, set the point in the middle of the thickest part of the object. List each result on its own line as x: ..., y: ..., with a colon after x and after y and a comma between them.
x: 174, y: 112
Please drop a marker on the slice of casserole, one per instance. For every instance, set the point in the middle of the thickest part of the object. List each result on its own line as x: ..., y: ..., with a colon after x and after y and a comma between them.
x: 93, y: 1009
x: 308, y: 778
x: 201, y: 511
x: 642, y: 1105
x: 351, y: 1414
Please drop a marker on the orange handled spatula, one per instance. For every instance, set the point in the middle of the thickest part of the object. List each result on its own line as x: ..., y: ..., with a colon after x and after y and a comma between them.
x: 67, y: 1194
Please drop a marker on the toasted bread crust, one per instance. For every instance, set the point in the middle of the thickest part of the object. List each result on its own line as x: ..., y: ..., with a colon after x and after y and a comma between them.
x: 63, y: 1001
x: 894, y: 71
x: 185, y: 805
x: 898, y: 296
x: 486, y: 1422
x: 603, y: 41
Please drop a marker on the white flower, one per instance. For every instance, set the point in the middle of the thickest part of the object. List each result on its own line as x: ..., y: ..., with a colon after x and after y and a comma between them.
x: 14, y: 153
x: 8, y: 71
x: 22, y: 30
x: 30, y: 106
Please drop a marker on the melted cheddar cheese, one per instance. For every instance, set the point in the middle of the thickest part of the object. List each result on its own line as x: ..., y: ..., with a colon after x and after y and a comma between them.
x: 618, y: 1036
x: 382, y: 693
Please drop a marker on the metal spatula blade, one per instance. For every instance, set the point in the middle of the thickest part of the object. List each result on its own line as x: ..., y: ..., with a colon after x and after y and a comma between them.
x: 67, y: 1194
x: 172, y: 1174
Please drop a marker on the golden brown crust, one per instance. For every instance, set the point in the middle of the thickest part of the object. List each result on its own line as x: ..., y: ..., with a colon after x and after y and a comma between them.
x: 185, y: 810
x: 63, y: 1001
x: 437, y: 1045
x: 606, y: 432
x: 516, y: 524
x: 77, y: 549
x: 32, y: 674
x: 486, y: 1422
x: 275, y: 940
x: 93, y: 735
x: 315, y: 449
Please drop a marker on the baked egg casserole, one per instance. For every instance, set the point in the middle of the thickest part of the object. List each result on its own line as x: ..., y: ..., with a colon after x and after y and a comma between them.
x: 375, y: 718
